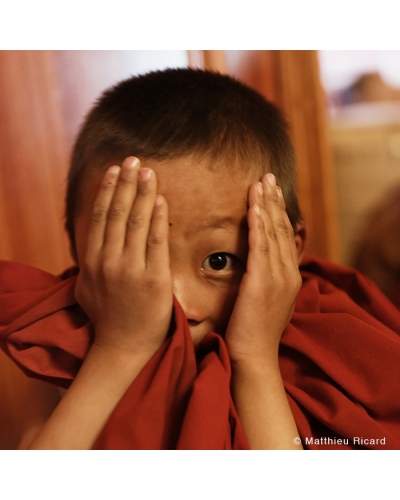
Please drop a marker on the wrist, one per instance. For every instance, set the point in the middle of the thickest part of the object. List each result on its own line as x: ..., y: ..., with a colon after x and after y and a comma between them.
x: 258, y: 358
x: 119, y: 353
x: 127, y: 342
x: 256, y: 367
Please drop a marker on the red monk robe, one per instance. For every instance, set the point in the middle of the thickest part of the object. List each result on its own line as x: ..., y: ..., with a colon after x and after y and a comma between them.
x: 339, y: 358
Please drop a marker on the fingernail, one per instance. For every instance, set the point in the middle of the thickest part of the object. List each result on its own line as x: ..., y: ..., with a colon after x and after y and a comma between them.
x: 114, y: 170
x: 145, y: 174
x: 111, y: 176
x: 257, y: 209
x: 133, y: 163
x: 260, y: 188
x: 159, y: 200
x: 271, y: 179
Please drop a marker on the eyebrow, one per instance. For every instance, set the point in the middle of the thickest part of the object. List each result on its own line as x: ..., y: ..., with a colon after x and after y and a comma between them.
x: 228, y: 223
x: 221, y: 223
x: 224, y: 222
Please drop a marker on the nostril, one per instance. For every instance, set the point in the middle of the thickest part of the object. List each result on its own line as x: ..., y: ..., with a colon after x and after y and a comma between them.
x: 192, y: 322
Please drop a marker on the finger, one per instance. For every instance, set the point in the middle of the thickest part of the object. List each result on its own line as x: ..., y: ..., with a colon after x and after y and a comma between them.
x: 282, y: 204
x: 269, y: 228
x: 281, y: 228
x: 157, y: 241
x: 139, y: 220
x: 120, y: 207
x: 100, y: 210
x: 258, y: 261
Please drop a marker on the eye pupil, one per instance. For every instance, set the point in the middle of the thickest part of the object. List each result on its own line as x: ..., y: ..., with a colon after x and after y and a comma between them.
x: 218, y: 261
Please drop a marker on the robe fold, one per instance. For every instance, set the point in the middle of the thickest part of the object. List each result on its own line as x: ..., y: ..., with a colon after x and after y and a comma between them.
x: 339, y: 359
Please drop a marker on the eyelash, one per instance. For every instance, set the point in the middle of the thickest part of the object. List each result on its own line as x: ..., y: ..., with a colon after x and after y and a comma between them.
x: 232, y: 262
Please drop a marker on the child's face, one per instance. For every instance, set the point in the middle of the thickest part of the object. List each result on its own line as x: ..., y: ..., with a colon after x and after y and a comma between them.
x: 207, y: 235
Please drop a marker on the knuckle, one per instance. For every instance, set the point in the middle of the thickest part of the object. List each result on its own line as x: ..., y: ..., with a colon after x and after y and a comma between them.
x: 108, y: 186
x: 298, y: 281
x: 87, y: 268
x: 115, y: 211
x: 260, y: 226
x: 271, y: 233
x: 295, y: 282
x: 126, y: 180
x: 151, y: 283
x: 273, y: 196
x: 145, y: 189
x: 263, y: 248
x: 108, y: 268
x: 155, y: 239
x: 136, y: 220
x: 156, y: 279
x: 283, y: 229
x: 99, y: 213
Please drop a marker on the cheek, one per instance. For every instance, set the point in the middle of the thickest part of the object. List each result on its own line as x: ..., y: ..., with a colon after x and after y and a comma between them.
x: 222, y: 301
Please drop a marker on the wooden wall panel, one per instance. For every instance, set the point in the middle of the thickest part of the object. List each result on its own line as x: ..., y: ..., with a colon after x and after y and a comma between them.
x: 301, y: 97
x: 256, y: 68
x: 33, y: 162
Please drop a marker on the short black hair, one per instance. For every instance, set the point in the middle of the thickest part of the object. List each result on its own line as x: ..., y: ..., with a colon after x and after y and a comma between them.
x: 176, y: 113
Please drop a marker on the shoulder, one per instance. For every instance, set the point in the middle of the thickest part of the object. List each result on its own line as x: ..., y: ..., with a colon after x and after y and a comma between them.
x: 329, y: 287
x: 15, y: 276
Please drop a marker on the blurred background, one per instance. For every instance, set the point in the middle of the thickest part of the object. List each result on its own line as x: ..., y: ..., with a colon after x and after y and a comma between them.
x: 363, y: 110
x: 344, y: 113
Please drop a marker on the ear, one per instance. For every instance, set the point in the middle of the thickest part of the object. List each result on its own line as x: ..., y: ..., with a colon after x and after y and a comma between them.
x: 300, y: 238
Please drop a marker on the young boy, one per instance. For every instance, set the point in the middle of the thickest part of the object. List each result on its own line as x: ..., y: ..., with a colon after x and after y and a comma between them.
x: 188, y: 272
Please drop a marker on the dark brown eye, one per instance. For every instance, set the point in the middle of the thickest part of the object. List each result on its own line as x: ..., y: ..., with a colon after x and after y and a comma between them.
x: 222, y: 265
x: 219, y: 262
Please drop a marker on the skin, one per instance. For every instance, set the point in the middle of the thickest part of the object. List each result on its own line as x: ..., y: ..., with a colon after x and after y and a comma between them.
x: 207, y: 213
x: 221, y: 242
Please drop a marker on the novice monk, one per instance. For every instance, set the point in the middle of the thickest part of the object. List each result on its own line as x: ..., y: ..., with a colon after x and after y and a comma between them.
x: 188, y: 273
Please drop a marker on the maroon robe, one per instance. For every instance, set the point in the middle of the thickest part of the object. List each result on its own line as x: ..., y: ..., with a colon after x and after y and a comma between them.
x: 339, y: 359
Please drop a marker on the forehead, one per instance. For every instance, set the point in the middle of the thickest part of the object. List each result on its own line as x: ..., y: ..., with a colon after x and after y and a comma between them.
x: 205, y: 203
x: 197, y: 191
x: 206, y: 194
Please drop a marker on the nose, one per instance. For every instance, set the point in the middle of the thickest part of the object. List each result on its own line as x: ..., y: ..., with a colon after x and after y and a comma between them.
x: 194, y: 306
x: 189, y: 300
